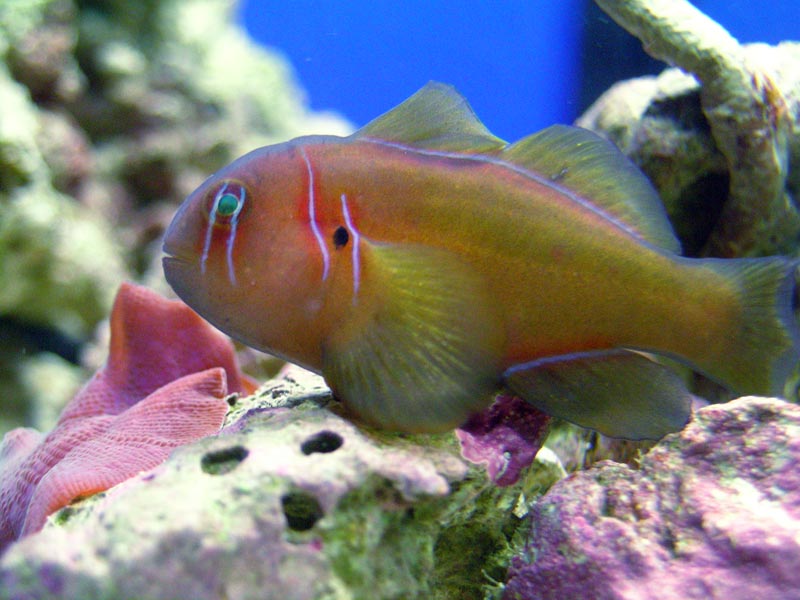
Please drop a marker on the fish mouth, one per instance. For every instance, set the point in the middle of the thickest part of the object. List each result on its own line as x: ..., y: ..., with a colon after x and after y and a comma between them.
x: 170, y: 260
x: 173, y: 266
x: 173, y: 259
x: 168, y: 245
x: 175, y: 243
x: 174, y: 251
x: 182, y: 278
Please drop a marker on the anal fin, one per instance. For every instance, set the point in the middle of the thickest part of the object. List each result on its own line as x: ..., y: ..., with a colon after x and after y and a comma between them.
x: 616, y: 392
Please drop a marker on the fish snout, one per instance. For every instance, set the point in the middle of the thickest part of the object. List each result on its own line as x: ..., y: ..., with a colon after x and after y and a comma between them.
x: 178, y: 237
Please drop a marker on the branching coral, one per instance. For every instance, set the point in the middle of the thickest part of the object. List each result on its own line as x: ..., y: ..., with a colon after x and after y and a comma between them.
x: 750, y: 115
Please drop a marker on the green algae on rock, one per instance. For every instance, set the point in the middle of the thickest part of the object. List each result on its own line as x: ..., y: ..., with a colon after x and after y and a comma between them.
x: 364, y: 515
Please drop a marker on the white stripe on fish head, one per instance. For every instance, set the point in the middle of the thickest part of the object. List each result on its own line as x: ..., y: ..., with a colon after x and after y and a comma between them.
x: 356, y: 257
x: 232, y: 236
x: 312, y: 218
x: 212, y: 219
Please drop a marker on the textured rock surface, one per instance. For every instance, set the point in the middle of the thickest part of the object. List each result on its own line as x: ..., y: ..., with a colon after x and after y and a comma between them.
x: 505, y: 437
x: 285, y: 503
x: 713, y: 512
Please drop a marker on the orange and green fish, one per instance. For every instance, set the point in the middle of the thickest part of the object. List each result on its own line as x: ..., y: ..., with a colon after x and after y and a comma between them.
x: 422, y: 264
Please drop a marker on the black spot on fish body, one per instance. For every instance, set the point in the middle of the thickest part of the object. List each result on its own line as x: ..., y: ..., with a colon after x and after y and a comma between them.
x: 340, y: 237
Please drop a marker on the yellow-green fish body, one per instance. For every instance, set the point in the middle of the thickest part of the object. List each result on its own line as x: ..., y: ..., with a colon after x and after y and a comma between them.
x: 422, y: 264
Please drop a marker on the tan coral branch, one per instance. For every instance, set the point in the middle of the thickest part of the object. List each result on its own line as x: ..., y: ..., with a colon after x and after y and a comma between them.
x: 747, y: 114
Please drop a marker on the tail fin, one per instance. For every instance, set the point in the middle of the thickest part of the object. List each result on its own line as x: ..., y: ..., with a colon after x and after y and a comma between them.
x: 765, y: 344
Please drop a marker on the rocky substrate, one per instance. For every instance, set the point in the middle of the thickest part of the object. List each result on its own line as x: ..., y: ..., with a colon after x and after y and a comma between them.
x: 712, y: 512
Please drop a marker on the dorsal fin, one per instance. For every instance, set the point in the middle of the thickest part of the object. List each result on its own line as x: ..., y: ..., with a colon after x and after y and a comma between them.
x: 437, y: 117
x: 596, y: 170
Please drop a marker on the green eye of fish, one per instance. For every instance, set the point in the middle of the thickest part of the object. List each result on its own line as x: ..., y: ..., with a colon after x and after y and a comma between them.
x: 227, y: 205
x: 229, y: 201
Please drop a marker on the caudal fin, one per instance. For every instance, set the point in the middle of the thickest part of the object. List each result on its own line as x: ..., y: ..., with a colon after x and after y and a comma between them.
x: 764, y: 341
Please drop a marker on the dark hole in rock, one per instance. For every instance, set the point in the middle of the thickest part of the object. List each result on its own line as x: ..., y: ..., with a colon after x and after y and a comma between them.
x: 65, y: 515
x: 219, y: 462
x: 322, y: 441
x: 301, y: 510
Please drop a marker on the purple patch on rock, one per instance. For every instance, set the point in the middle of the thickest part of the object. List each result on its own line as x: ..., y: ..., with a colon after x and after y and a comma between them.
x: 52, y: 579
x: 713, y: 512
x: 505, y: 437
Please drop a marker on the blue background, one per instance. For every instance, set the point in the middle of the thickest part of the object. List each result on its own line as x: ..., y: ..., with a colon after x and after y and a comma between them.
x: 522, y: 64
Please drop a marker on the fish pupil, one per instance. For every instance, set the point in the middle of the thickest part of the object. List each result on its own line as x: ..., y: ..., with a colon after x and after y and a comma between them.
x: 340, y: 237
x: 227, y: 205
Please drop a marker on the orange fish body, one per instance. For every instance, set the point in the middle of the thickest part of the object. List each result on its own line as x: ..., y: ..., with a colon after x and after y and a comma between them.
x: 421, y: 264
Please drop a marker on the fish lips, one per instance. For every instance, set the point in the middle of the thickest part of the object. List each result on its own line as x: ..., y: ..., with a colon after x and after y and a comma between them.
x: 179, y: 231
x: 180, y: 261
x: 180, y: 275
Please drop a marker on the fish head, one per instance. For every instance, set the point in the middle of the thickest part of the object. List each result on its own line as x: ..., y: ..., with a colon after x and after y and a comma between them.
x: 240, y: 253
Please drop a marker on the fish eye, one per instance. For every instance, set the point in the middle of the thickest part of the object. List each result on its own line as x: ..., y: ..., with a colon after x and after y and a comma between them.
x: 227, y: 205
x: 228, y: 201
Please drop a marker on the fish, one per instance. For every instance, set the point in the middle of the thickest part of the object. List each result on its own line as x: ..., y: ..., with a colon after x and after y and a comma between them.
x: 422, y: 264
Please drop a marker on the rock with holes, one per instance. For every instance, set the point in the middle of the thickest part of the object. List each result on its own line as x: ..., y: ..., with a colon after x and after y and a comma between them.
x: 163, y: 385
x: 290, y: 501
x: 713, y: 512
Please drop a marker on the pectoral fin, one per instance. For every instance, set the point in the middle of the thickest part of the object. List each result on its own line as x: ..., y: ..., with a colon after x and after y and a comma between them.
x: 618, y: 393
x: 421, y: 350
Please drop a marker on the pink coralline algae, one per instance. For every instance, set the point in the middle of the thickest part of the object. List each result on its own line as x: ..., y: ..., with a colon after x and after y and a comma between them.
x: 505, y: 437
x: 163, y: 386
x: 712, y: 512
